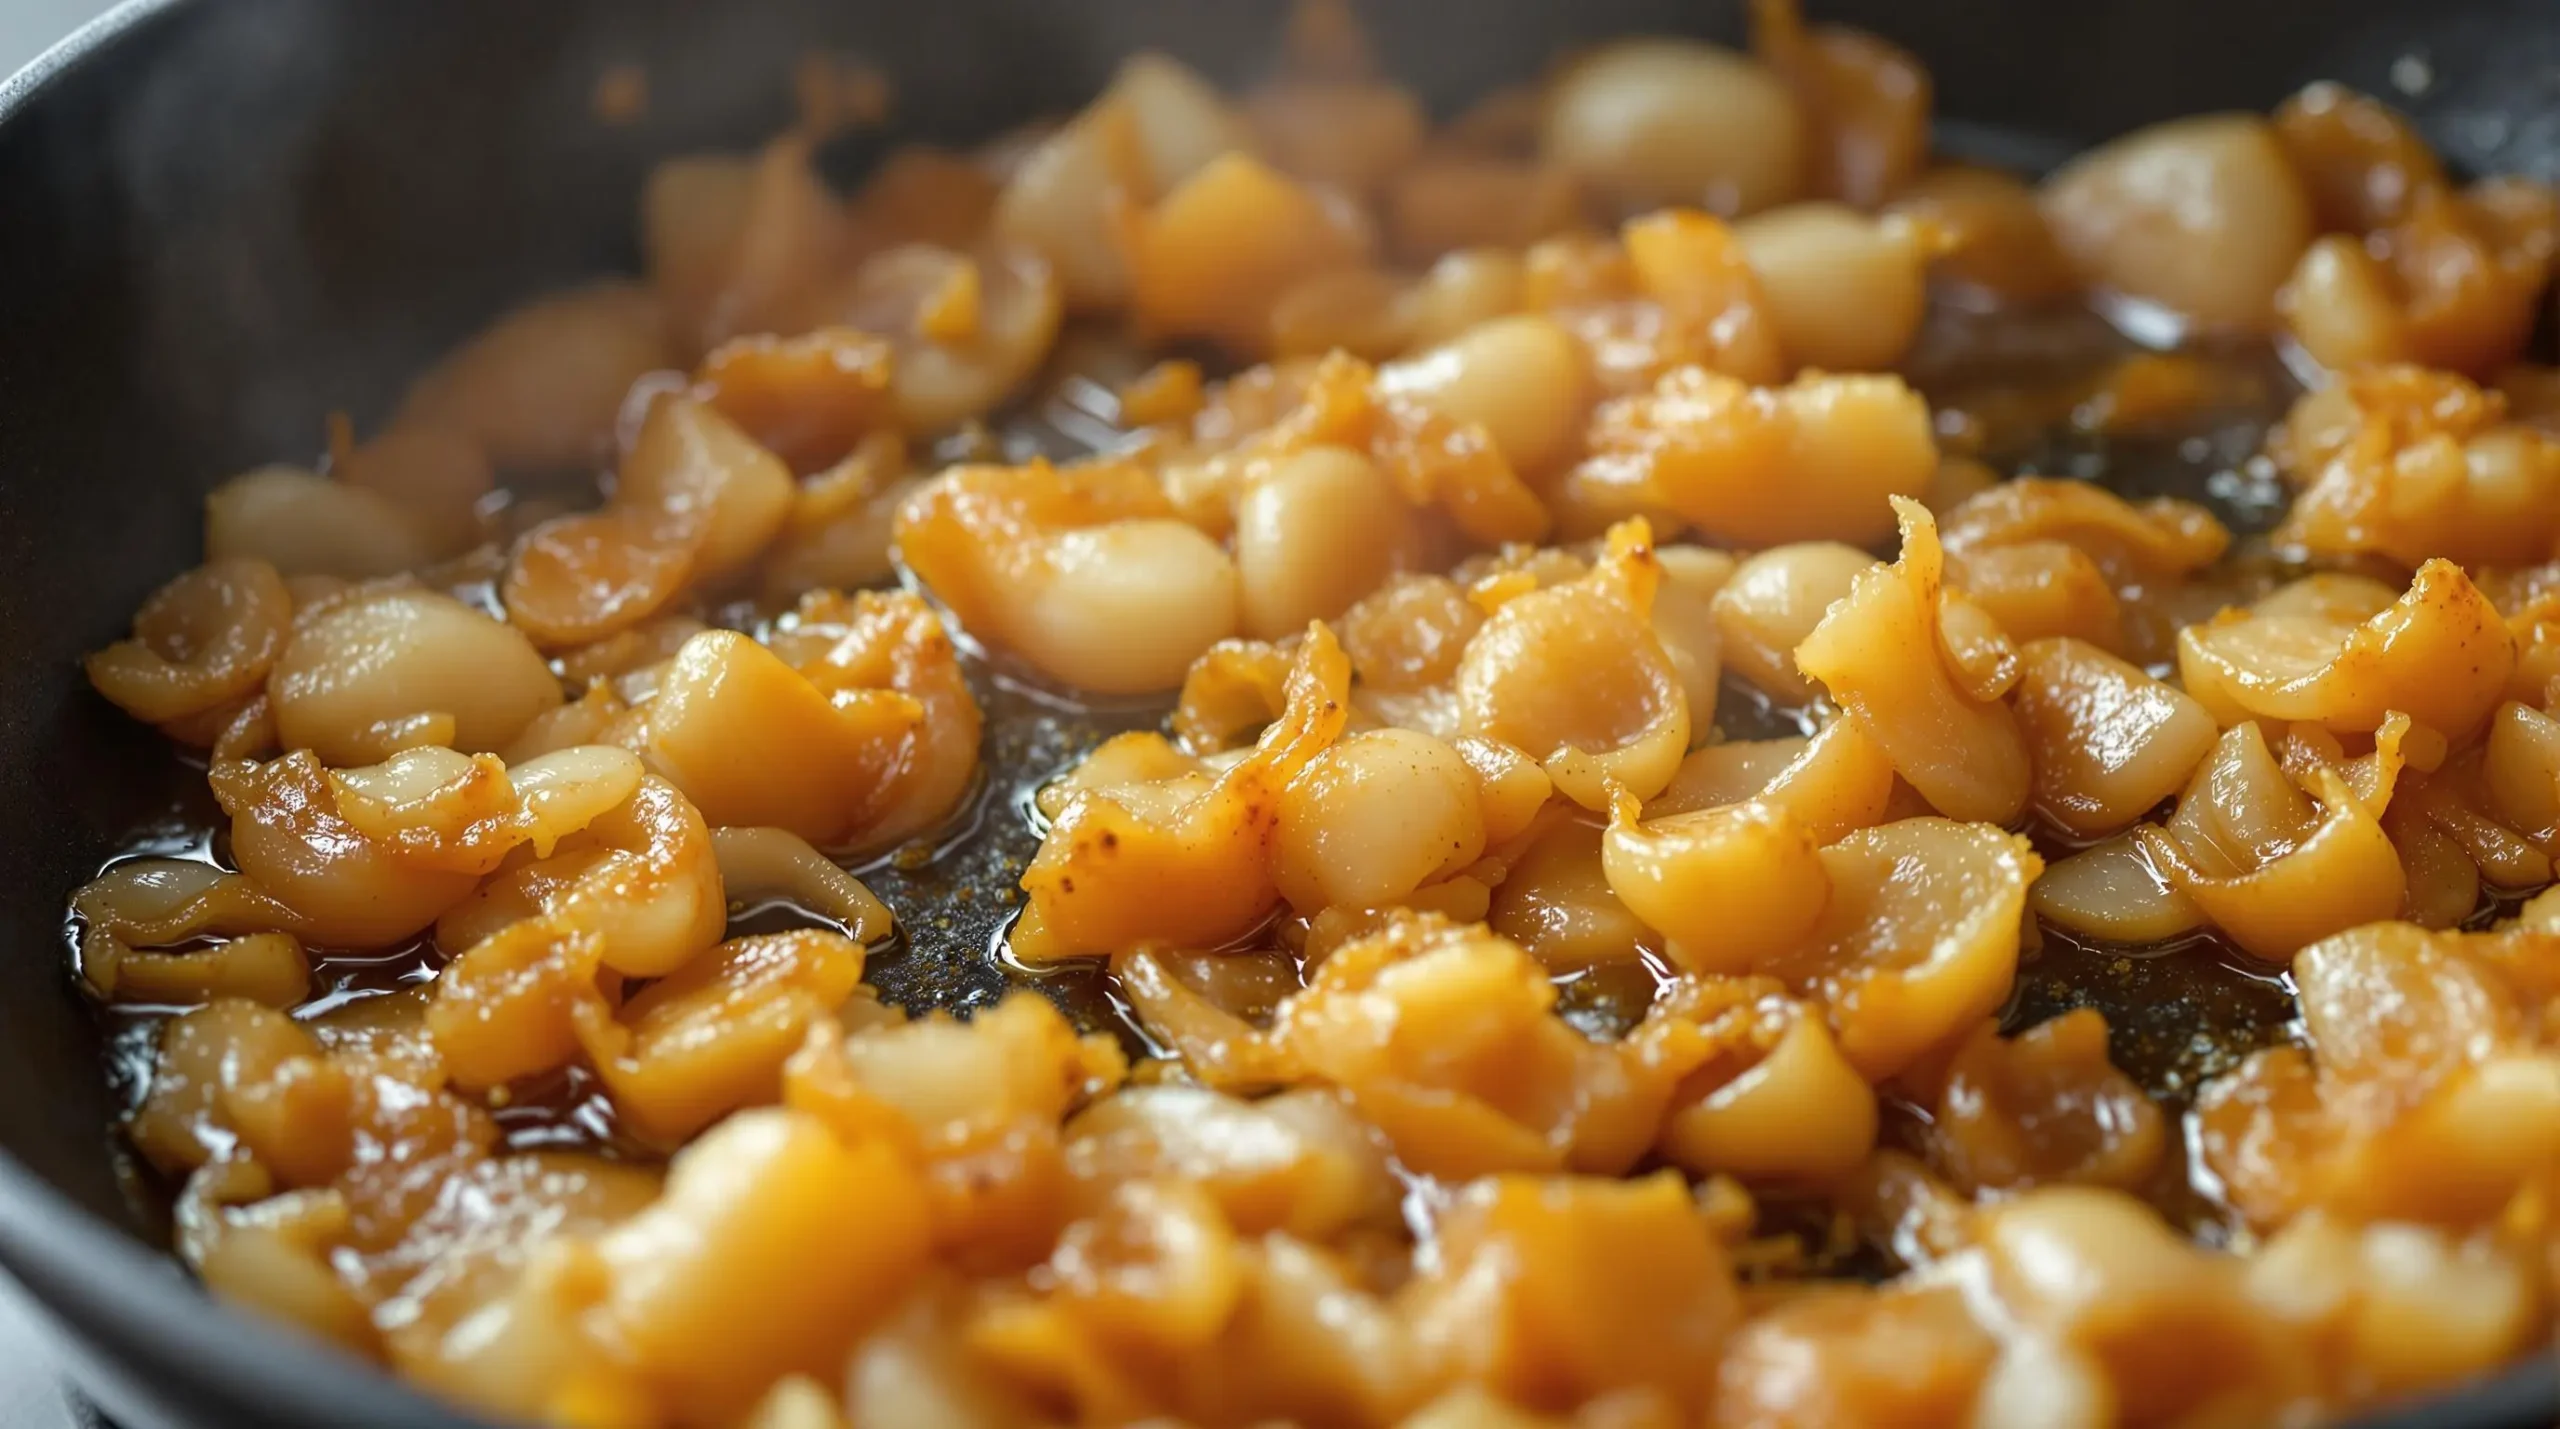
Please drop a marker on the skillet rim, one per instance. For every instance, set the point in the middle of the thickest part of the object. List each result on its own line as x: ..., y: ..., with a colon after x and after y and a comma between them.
x: 147, y: 1323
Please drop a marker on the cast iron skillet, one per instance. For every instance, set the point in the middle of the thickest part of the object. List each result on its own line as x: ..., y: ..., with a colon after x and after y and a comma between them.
x: 218, y: 222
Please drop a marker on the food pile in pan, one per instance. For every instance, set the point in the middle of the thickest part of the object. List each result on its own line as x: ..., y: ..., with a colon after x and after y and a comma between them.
x: 1598, y: 541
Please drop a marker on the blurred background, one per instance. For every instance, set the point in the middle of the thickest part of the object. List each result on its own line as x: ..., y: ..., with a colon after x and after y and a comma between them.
x: 27, y: 26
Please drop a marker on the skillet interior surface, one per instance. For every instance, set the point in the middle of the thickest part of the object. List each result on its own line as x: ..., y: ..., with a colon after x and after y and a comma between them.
x: 223, y: 222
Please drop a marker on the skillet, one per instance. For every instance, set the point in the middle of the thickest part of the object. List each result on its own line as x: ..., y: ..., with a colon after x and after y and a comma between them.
x: 223, y: 221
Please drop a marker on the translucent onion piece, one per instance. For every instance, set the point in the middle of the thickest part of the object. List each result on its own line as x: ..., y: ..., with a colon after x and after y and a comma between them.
x: 761, y: 863
x: 199, y: 643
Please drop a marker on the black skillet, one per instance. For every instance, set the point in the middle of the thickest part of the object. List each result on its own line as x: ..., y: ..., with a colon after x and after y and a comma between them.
x: 222, y: 219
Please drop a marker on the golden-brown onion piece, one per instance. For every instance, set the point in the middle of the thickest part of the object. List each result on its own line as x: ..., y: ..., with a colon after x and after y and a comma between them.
x: 201, y: 1056
x: 1992, y: 238
x: 362, y: 666
x: 541, y: 388
x: 2204, y: 216
x: 690, y: 458
x: 1349, y: 133
x: 643, y: 876
x: 1374, y: 817
x: 1730, y: 886
x: 734, y: 1277
x: 712, y: 1036
x: 2107, y: 741
x: 1919, y: 940
x: 740, y: 245
x: 436, y: 476
x: 1834, y: 784
x: 1213, y: 255
x: 967, y: 328
x: 1774, y: 1098
x: 269, y: 969
x: 1814, y: 460
x: 2419, y: 465
x: 1865, y: 101
x: 882, y: 729
x: 1882, y: 654
x: 1554, y: 898
x: 1661, y: 121
x: 2273, y: 869
x: 1299, y: 1161
x: 1574, y: 676
x: 1083, y: 571
x: 1901, y: 1354
x: 1673, y: 290
x: 344, y: 889
x: 2362, y: 163
x: 2138, y: 546
x: 1774, y: 601
x: 1845, y: 290
x: 201, y: 642
x: 2439, y: 653
x: 1444, y: 1038
x: 808, y: 399
x: 1449, y: 203
x: 1557, y: 1291
x: 2044, y: 1106
x: 1129, y: 864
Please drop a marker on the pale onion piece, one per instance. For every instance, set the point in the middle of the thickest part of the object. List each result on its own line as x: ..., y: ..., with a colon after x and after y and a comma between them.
x: 563, y: 790
x: 2204, y: 215
x: 941, y: 378
x: 1083, y: 571
x: 1217, y: 1047
x: 2340, y: 306
x: 2453, y: 802
x: 738, y: 245
x: 761, y: 863
x: 200, y: 642
x: 1555, y: 901
x: 1462, y: 291
x: 1574, y: 676
x: 273, y: 1257
x: 841, y: 541
x: 345, y: 890
x: 1366, y: 312
x: 2107, y: 742
x: 689, y: 458
x: 1521, y: 378
x: 1433, y: 459
x: 1817, y: 459
x: 738, y: 1273
x: 305, y: 524
x: 1314, y: 532
x: 387, y: 653
x: 2345, y: 873
x: 2242, y: 808
x: 714, y: 1035
x: 1181, y: 121
x: 1060, y: 201
x: 265, y: 968
x: 2112, y: 892
x: 2440, y: 654
x: 1374, y: 817
x: 1773, y: 602
x: 1649, y: 122
x: 1213, y: 256
x: 436, y: 475
x: 1919, y: 939
x: 541, y: 387
x: 1684, y: 620
x: 1510, y: 787
x: 1846, y: 290
x: 1729, y: 886
x: 1879, y: 652
x: 1194, y: 871
x: 1800, y: 1112
x: 434, y: 807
